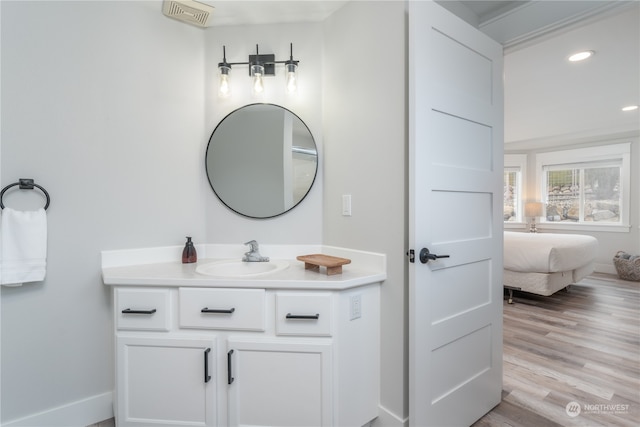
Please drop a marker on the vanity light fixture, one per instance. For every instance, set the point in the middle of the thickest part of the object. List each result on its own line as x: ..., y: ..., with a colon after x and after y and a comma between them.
x: 581, y: 56
x: 260, y: 65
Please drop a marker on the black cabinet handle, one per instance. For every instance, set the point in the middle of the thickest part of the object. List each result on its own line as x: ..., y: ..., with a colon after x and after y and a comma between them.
x: 207, y: 377
x: 214, y: 310
x: 303, y: 316
x: 130, y: 311
x: 230, y: 378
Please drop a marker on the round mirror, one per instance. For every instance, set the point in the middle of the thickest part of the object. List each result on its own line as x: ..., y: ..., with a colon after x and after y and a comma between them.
x: 261, y: 160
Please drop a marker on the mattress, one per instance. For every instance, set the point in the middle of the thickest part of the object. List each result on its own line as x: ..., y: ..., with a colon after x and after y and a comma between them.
x: 548, y: 253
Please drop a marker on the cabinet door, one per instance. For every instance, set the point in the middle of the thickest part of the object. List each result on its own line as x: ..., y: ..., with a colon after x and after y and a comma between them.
x: 279, y: 383
x: 166, y: 381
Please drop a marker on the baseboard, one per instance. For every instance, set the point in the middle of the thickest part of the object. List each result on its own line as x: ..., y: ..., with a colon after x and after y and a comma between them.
x: 605, y: 268
x: 388, y: 419
x: 76, y: 414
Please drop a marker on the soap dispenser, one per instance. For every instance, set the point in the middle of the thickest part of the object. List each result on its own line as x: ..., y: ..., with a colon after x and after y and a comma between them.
x: 189, y: 254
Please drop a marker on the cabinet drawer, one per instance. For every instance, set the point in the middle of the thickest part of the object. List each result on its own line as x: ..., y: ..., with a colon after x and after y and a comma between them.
x: 237, y: 309
x: 143, y: 309
x: 303, y: 313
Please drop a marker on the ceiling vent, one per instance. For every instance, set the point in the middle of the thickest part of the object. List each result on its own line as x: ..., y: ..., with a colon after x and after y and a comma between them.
x: 189, y: 11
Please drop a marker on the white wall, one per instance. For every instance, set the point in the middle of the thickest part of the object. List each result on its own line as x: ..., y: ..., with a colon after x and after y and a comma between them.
x: 365, y: 150
x: 102, y: 104
x: 303, y: 224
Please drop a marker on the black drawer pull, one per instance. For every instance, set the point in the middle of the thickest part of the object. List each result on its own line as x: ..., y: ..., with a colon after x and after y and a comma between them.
x: 214, y: 310
x: 230, y: 378
x: 130, y: 311
x: 207, y: 377
x: 303, y: 316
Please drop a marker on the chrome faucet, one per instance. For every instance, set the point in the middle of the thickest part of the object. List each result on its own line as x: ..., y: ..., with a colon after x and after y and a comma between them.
x: 254, y: 255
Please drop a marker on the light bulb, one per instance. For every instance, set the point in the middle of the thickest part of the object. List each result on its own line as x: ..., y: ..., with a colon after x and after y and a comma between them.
x: 291, y: 79
x: 257, y: 71
x: 258, y: 86
x: 224, y: 89
x: 291, y: 66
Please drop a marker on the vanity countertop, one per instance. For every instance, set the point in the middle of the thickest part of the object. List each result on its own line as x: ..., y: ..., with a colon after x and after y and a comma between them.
x: 362, y: 271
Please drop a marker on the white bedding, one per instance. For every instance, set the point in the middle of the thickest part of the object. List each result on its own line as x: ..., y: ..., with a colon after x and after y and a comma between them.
x: 547, y: 253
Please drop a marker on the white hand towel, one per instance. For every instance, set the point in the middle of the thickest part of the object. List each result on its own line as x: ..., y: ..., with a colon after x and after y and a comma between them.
x: 23, y: 243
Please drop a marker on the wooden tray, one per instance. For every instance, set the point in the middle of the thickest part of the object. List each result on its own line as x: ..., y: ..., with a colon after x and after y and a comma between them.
x: 315, y: 261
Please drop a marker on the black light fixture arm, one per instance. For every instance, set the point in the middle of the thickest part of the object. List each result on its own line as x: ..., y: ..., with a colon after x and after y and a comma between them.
x: 265, y: 60
x: 224, y: 62
x: 289, y: 61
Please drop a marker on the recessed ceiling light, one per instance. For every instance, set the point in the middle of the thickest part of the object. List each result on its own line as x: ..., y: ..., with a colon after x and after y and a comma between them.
x: 630, y: 108
x: 581, y: 56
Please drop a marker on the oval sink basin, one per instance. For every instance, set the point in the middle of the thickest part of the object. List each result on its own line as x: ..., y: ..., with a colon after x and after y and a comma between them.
x: 237, y: 268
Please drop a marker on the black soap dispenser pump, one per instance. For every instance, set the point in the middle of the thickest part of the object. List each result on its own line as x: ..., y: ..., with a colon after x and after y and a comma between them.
x: 189, y: 254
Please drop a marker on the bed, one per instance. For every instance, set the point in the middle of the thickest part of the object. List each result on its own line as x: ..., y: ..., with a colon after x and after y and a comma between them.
x: 543, y: 263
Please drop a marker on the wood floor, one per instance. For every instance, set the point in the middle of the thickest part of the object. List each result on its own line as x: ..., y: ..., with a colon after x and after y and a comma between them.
x: 572, y: 359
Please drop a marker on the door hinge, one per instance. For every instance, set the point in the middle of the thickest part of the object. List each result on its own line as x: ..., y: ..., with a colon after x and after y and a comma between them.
x: 412, y: 255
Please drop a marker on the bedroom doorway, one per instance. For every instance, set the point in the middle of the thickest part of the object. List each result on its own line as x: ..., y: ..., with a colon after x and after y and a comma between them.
x: 455, y: 188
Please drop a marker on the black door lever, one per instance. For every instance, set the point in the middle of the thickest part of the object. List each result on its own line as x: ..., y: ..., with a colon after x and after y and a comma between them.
x: 425, y: 256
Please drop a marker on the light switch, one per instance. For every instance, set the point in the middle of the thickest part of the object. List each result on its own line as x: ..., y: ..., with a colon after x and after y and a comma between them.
x: 346, y: 205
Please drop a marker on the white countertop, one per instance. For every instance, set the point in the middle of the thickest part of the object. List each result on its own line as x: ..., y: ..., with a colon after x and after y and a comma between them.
x: 120, y: 268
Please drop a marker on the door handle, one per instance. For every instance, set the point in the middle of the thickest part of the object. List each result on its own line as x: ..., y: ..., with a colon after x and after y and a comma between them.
x: 207, y: 377
x: 230, y: 378
x: 425, y: 256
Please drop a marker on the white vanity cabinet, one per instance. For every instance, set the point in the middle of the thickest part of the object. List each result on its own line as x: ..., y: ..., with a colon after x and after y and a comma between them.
x: 224, y: 356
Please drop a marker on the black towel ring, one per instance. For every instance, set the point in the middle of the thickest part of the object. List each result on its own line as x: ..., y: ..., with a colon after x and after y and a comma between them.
x: 25, y: 184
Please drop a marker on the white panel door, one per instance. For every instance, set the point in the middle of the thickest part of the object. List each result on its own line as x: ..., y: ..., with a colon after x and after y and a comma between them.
x: 456, y: 162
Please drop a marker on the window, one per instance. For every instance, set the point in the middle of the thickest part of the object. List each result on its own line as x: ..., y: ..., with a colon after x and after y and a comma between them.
x: 512, y: 191
x: 514, y: 172
x: 583, y: 193
x: 586, y: 187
